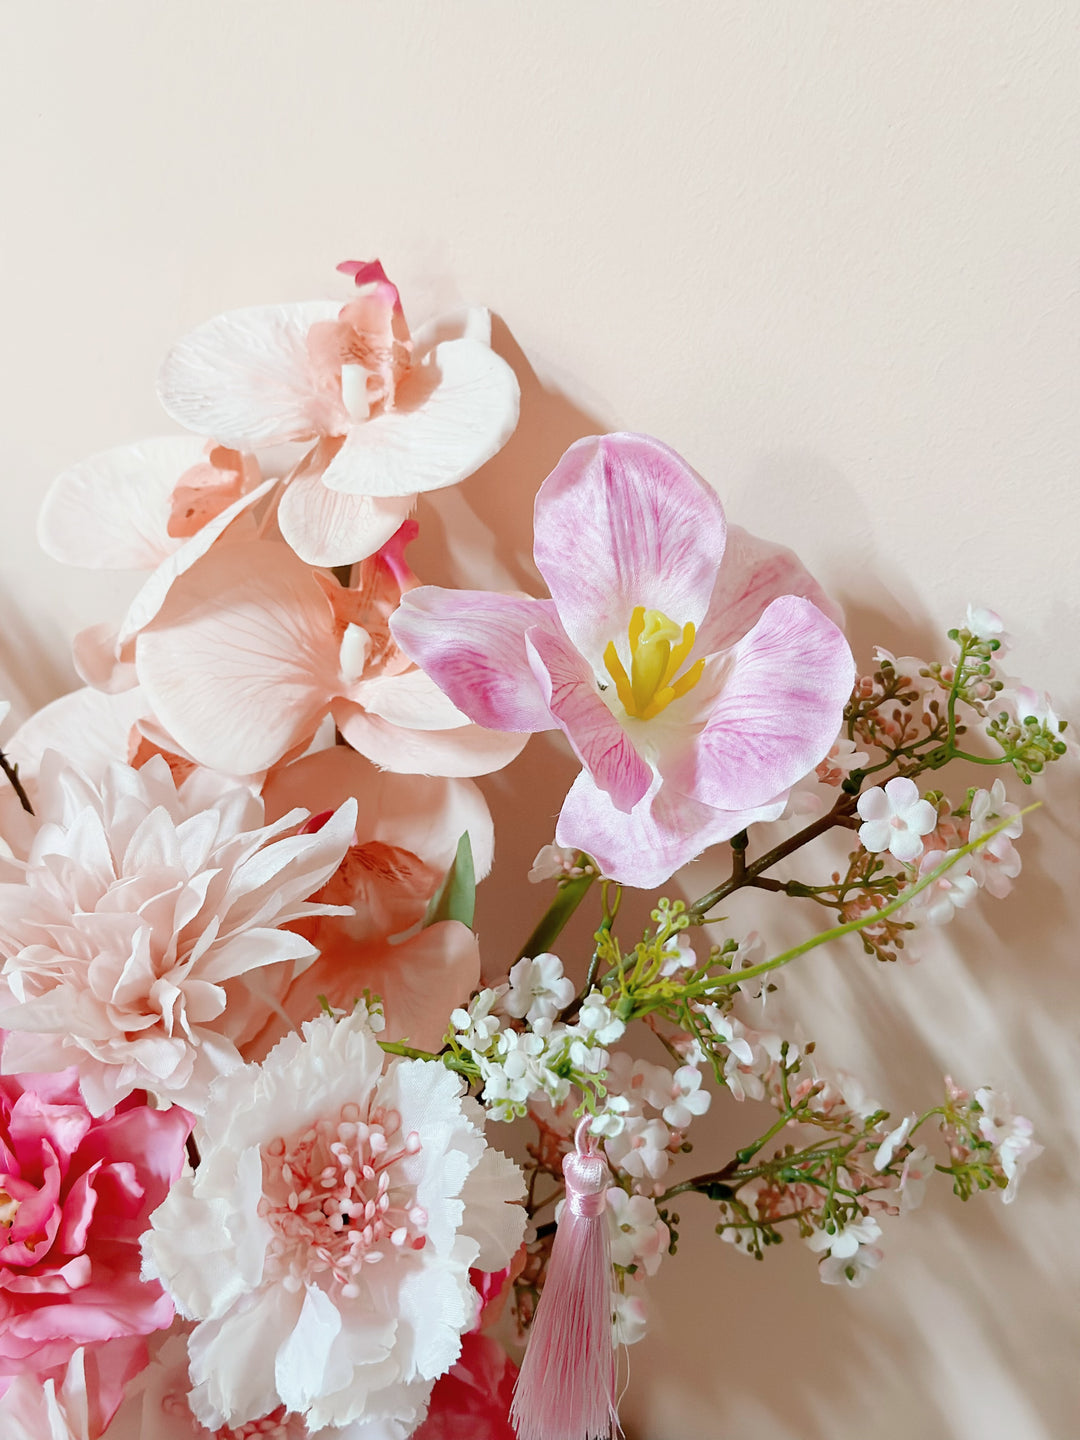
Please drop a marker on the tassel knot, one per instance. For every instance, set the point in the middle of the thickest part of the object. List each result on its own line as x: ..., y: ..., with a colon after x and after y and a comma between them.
x: 566, y: 1389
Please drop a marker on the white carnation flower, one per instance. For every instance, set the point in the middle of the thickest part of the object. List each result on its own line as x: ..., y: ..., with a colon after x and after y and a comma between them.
x: 325, y: 1241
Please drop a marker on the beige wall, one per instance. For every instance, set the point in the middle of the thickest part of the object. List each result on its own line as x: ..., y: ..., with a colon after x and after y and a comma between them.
x: 826, y: 250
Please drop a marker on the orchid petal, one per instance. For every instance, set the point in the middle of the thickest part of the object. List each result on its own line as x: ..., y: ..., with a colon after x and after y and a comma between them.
x: 97, y: 655
x: 111, y: 512
x: 777, y: 713
x: 754, y: 573
x: 410, y: 699
x: 663, y: 832
x: 451, y: 414
x: 469, y: 750
x: 151, y: 597
x: 325, y: 527
x: 241, y: 662
x: 246, y: 377
x: 620, y: 522
x: 426, y: 815
x: 472, y: 322
x: 88, y: 728
x: 597, y: 738
x: 472, y: 644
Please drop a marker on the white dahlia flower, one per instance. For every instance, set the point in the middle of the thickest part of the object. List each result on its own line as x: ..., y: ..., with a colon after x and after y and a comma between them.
x: 325, y: 1241
x: 140, y: 904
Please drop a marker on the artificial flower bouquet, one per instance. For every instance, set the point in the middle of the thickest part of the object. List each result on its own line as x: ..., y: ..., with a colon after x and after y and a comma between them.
x: 256, y: 1065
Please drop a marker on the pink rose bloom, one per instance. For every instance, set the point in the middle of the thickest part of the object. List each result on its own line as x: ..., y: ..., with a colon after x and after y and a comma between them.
x: 76, y: 1193
x: 692, y: 676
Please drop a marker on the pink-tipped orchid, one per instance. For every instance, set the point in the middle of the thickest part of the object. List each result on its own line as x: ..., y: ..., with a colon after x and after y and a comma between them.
x: 253, y: 649
x: 694, y: 694
x: 389, y: 414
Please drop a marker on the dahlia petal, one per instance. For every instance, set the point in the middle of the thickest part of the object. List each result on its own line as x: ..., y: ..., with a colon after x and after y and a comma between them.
x: 452, y: 413
x: 472, y: 644
x: 246, y: 377
x: 111, y: 512
x: 622, y: 521
x: 326, y: 527
x: 241, y: 662
x: 470, y: 750
x: 754, y: 573
x: 777, y: 713
x: 597, y: 738
x: 662, y: 833
x: 426, y: 815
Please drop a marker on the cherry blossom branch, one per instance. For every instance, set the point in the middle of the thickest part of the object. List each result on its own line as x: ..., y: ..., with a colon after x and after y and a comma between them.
x: 12, y: 773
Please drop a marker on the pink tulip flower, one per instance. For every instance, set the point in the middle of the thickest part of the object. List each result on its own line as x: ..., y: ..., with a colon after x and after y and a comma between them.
x: 694, y: 693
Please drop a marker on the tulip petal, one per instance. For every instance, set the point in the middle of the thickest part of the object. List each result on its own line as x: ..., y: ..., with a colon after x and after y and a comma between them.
x: 597, y: 738
x: 663, y: 832
x: 777, y: 713
x: 472, y: 644
x: 622, y: 521
x: 325, y: 527
x: 111, y: 512
x: 469, y: 750
x: 452, y: 414
x: 246, y: 377
x: 241, y: 662
x: 754, y: 573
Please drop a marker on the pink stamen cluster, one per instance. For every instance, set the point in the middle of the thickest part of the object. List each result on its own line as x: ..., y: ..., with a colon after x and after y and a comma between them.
x: 329, y: 1196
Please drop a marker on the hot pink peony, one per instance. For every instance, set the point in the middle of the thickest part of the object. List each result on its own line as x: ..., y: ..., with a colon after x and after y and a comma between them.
x: 76, y: 1194
x: 694, y: 692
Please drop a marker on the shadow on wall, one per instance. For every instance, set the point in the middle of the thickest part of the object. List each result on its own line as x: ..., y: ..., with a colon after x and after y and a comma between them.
x: 991, y: 1001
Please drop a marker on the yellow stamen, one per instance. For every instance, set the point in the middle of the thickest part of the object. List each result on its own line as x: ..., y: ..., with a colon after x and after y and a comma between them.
x: 658, y: 648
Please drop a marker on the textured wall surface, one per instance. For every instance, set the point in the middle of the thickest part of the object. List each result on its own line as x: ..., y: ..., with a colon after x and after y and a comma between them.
x: 829, y: 252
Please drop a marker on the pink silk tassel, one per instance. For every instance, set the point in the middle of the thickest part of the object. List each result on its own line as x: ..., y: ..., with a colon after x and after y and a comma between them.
x: 566, y: 1389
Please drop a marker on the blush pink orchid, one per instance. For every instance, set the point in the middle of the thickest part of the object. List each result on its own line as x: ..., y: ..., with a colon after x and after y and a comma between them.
x: 388, y: 413
x: 693, y: 693
x: 76, y: 1194
x: 253, y: 649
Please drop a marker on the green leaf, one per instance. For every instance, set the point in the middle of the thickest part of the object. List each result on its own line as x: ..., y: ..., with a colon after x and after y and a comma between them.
x: 455, y: 898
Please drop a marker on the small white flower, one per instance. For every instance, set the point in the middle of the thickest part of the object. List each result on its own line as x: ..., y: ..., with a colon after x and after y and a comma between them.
x: 987, y: 625
x: 680, y: 954
x: 611, y: 1120
x: 1011, y: 1136
x: 477, y: 1026
x: 555, y: 862
x: 892, y: 1143
x: 952, y: 891
x: 918, y: 1167
x: 596, y: 1018
x: 849, y: 1254
x: 687, y: 1098
x: 895, y: 819
x: 631, y: 1319
x: 638, y: 1235
x: 538, y: 989
x: 641, y: 1148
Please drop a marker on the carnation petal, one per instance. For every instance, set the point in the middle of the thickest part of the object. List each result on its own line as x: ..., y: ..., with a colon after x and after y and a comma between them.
x: 623, y: 521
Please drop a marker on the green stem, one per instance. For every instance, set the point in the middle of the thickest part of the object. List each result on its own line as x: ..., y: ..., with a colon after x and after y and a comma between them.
x: 554, y: 919
x: 410, y: 1052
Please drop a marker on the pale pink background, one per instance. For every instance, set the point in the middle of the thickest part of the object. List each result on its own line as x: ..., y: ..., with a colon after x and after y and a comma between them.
x: 829, y: 252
